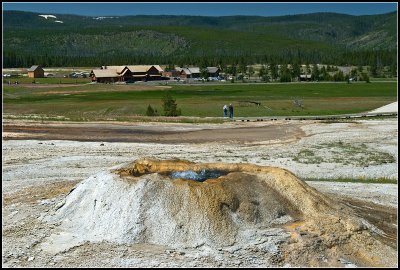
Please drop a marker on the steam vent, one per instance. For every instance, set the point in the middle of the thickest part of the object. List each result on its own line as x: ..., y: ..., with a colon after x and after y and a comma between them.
x: 181, y: 204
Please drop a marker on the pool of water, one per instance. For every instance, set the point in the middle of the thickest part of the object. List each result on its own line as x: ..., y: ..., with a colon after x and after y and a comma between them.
x: 200, y: 176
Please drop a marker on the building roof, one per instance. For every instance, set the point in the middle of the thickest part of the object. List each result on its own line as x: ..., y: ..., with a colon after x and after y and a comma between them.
x: 194, y: 70
x: 186, y: 70
x: 158, y: 68
x: 119, y: 69
x: 212, y: 69
x: 139, y: 68
x: 33, y: 68
x: 124, y: 72
x: 105, y: 73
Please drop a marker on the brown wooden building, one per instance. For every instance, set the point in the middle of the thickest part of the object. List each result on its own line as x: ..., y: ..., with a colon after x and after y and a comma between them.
x: 105, y: 76
x: 112, y: 74
x: 144, y: 72
x: 124, y: 73
x: 36, y: 72
x: 191, y: 72
x: 213, y: 71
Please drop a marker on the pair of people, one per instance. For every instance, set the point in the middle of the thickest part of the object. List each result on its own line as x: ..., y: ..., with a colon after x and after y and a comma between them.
x: 225, y: 108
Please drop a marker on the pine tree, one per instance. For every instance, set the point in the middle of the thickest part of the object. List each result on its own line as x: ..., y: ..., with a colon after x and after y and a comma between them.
x: 262, y: 71
x: 274, y: 71
x: 315, y: 73
x: 284, y: 74
x: 374, y: 70
x: 170, y: 106
x: 150, y: 111
x: 296, y: 71
x: 250, y: 71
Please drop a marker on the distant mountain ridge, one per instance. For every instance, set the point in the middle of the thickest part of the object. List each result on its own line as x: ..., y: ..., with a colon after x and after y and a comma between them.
x: 314, y: 37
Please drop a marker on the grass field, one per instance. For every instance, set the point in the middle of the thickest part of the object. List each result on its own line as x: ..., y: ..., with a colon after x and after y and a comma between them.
x: 122, y: 102
x: 27, y: 80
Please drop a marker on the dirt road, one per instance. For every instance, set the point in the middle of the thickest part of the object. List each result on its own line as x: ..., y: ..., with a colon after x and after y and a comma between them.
x: 152, y: 133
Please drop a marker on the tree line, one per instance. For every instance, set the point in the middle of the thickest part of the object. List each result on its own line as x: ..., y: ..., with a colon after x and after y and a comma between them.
x: 378, y: 58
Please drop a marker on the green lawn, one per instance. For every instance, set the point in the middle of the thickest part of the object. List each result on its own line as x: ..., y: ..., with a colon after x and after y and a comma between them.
x: 101, y: 102
x: 27, y: 80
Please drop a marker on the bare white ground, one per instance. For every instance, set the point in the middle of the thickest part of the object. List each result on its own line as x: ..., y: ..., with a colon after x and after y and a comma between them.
x: 392, y: 107
x: 331, y: 150
x: 384, y: 194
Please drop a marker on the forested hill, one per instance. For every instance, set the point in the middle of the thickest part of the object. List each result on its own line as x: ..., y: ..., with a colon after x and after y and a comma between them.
x: 65, y: 40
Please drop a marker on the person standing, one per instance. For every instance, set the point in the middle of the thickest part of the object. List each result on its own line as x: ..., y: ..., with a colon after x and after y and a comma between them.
x: 225, y: 108
x: 230, y: 111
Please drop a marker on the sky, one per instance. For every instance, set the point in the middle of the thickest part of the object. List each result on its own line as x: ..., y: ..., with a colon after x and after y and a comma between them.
x: 200, y: 9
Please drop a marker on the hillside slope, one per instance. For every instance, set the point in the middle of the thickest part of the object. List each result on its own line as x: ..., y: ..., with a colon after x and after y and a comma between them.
x: 70, y: 39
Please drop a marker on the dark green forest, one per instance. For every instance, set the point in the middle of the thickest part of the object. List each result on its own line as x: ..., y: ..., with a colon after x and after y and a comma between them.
x: 326, y: 38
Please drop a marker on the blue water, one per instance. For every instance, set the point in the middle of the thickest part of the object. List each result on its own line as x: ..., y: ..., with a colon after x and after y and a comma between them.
x: 197, y: 176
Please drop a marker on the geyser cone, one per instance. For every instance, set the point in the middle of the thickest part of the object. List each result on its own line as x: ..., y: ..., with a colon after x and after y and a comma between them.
x: 141, y: 203
x: 296, y: 194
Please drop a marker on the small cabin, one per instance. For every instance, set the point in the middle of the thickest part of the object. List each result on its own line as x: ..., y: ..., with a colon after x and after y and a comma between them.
x: 192, y: 72
x: 36, y: 72
x: 213, y: 71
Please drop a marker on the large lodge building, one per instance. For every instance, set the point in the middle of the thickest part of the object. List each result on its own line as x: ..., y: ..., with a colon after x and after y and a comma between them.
x: 111, y: 74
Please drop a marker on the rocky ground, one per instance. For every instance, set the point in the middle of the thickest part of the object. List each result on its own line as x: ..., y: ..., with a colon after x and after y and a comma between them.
x: 38, y: 174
